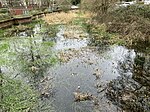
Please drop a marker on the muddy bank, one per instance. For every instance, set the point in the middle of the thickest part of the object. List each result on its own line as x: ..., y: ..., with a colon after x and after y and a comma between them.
x: 130, y: 91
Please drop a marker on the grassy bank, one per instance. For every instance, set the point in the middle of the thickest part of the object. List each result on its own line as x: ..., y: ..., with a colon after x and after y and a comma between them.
x: 129, y: 26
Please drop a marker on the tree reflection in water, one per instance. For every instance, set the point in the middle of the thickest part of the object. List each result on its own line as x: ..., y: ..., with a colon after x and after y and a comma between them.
x: 131, y: 90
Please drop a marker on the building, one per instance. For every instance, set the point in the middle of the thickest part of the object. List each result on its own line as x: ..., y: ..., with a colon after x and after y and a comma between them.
x: 18, y: 7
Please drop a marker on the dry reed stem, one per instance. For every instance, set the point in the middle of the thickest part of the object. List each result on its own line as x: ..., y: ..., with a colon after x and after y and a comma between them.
x: 60, y: 18
x: 64, y: 18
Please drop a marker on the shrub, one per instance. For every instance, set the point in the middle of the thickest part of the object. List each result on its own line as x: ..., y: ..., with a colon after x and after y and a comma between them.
x: 4, y: 10
x: 4, y: 16
x: 132, y: 23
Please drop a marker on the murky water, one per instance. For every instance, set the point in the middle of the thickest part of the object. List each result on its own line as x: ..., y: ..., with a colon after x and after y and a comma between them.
x: 82, y: 62
x: 78, y: 71
x: 62, y: 43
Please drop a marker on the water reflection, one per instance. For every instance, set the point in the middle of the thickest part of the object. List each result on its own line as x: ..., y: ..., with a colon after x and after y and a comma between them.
x: 120, y: 73
x: 78, y: 71
x: 131, y: 89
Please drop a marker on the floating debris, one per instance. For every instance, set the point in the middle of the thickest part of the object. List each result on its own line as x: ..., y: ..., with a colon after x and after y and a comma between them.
x: 97, y: 73
x: 82, y: 96
x: 79, y: 96
x: 73, y: 74
x: 46, y: 79
x: 66, y: 56
x: 34, y: 69
x: 45, y: 94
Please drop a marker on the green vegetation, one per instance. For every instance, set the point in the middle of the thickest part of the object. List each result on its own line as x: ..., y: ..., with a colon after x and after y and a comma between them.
x: 50, y: 44
x: 2, y: 33
x: 50, y: 30
x: 80, y: 21
x: 16, y: 96
x: 30, y: 57
x: 34, y: 12
x: 141, y: 11
x: 4, y: 10
x: 131, y: 25
x: 4, y: 17
x: 100, y: 37
x: 127, y: 26
x: 4, y: 14
x: 65, y: 8
x: 3, y: 51
x: 36, y: 58
x: 33, y: 23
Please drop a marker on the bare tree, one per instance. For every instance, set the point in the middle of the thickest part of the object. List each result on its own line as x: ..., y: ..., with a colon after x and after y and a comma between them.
x: 98, y: 7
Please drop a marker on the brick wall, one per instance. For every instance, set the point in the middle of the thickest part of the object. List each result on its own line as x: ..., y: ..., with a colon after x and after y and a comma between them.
x: 17, y: 11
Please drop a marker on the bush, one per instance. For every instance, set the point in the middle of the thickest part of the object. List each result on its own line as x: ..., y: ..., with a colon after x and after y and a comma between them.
x: 34, y: 12
x: 132, y: 22
x: 4, y: 10
x: 4, y: 16
x: 65, y: 8
x: 134, y: 10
